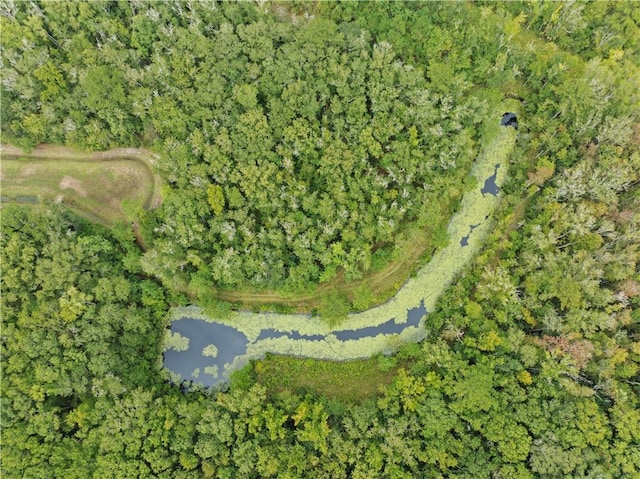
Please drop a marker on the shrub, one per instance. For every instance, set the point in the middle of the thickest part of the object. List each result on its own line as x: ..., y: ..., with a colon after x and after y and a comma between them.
x: 386, y: 363
x: 334, y: 309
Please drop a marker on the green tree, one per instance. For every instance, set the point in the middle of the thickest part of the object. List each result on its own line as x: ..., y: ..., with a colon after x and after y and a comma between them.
x: 334, y: 309
x: 216, y: 199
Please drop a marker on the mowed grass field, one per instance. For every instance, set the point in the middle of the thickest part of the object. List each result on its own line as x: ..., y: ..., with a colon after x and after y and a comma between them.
x: 95, y: 189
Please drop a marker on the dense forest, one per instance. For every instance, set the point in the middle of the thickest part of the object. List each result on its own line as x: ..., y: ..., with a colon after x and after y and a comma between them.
x: 289, y: 151
x: 298, y: 143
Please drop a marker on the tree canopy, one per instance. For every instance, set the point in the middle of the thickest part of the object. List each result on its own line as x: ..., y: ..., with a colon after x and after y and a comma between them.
x: 297, y: 140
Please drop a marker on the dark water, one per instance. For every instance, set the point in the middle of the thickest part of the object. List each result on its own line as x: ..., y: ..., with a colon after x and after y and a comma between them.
x: 390, y: 327
x: 229, y: 341
x: 273, y: 334
x: 510, y: 119
x: 20, y: 199
x: 464, y: 241
x: 490, y: 183
x: 416, y: 314
x: 27, y: 199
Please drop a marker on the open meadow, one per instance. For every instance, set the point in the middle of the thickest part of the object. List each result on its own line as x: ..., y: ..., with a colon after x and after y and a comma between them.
x: 98, y: 189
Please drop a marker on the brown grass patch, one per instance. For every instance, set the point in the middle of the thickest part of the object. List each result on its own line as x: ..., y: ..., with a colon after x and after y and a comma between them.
x: 74, y: 184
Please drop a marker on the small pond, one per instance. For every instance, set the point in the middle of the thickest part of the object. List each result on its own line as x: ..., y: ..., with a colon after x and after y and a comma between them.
x: 490, y: 187
x: 194, y: 365
x: 229, y: 342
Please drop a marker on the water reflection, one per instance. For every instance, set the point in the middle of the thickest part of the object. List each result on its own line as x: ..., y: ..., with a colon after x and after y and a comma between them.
x: 229, y: 342
x: 464, y: 241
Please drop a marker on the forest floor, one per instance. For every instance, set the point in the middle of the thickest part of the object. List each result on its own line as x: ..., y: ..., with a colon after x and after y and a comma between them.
x: 95, y: 185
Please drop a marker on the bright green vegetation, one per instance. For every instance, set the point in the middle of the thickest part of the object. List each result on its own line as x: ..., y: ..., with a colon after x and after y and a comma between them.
x: 288, y: 159
x: 496, y: 149
x: 310, y: 159
x: 94, y: 189
x: 531, y: 358
x: 351, y: 381
x: 389, y: 270
x: 174, y: 341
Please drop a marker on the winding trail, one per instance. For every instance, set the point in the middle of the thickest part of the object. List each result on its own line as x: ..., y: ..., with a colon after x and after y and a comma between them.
x: 91, y: 202
x: 245, y: 336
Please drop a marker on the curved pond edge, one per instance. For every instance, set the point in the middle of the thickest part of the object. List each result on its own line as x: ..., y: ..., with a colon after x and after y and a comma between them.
x: 381, y: 329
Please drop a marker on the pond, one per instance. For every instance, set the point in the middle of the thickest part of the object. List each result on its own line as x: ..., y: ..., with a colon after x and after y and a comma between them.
x: 464, y: 241
x: 229, y: 343
x: 490, y: 187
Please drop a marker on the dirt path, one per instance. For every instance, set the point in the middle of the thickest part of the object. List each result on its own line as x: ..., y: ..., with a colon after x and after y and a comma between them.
x: 381, y: 283
x: 68, y: 153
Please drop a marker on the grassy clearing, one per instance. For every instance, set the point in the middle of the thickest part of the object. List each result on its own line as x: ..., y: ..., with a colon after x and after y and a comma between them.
x: 95, y: 185
x: 352, y: 381
x: 94, y: 188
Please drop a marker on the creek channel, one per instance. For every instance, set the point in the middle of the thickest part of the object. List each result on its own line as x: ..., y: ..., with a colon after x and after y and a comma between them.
x: 246, y: 336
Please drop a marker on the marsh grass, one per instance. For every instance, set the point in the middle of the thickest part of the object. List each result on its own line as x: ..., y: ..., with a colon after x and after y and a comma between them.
x: 352, y: 381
